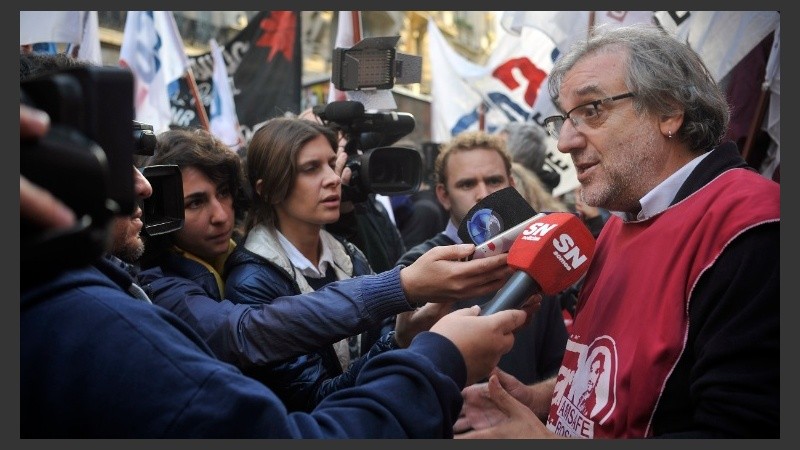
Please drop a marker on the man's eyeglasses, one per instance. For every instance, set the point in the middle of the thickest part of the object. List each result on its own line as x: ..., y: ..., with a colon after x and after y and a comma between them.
x: 588, y: 113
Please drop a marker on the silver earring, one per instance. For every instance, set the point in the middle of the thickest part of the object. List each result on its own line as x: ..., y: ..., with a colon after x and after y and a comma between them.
x: 669, y: 134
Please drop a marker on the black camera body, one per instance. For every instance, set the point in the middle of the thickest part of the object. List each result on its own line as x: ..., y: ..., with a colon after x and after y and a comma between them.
x: 376, y: 167
x: 96, y: 102
x: 86, y: 161
x: 163, y: 211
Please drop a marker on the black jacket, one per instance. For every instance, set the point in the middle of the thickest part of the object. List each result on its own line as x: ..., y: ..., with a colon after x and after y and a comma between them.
x: 749, y: 302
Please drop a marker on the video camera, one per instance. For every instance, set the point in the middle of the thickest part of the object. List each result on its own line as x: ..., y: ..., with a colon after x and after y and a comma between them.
x: 379, y: 168
x: 85, y: 160
x: 373, y: 64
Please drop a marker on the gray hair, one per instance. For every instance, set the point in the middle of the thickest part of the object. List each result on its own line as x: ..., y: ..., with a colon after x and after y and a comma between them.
x: 666, y: 75
x: 527, y: 143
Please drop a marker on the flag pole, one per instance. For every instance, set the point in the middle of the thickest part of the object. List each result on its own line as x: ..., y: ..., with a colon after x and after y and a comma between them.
x: 198, y: 103
x: 762, y: 105
x: 356, y: 18
x: 758, y: 119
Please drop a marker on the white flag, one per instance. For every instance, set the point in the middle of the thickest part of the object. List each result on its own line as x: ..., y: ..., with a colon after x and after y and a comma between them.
x: 223, y: 119
x: 721, y: 38
x: 50, y: 26
x: 90, y: 39
x: 772, y: 80
x: 63, y: 27
x: 153, y: 50
x: 567, y: 27
x: 507, y: 85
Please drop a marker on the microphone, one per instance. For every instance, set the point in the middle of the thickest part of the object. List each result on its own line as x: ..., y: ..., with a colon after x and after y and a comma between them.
x: 340, y: 112
x: 494, y: 214
x: 550, y: 255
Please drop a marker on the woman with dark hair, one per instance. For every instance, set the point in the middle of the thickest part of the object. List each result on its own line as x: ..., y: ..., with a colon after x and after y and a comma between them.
x: 215, y: 201
x: 287, y: 251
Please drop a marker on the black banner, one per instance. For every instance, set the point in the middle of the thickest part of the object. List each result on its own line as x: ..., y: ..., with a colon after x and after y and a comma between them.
x: 265, y: 62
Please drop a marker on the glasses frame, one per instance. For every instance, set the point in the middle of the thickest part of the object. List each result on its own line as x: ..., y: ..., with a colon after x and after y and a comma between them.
x: 549, y: 123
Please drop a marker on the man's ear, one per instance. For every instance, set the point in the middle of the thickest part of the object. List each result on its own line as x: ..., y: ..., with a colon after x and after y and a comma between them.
x: 442, y: 196
x: 669, y: 125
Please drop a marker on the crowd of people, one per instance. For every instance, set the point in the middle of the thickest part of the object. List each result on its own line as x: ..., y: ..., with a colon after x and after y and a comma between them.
x: 264, y: 315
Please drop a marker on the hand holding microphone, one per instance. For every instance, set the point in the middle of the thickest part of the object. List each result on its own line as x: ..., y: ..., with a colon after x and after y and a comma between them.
x: 550, y: 254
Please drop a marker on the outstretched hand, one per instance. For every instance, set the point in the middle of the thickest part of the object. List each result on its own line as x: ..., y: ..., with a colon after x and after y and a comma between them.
x: 439, y: 275
x: 505, y: 417
x: 411, y: 323
x: 479, y: 411
x: 481, y: 340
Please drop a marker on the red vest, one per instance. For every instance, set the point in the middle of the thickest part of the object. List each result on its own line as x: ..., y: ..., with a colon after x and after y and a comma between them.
x: 632, y: 318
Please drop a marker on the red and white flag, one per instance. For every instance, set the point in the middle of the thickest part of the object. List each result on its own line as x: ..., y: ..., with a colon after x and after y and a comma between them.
x: 506, y: 86
x: 565, y: 28
x: 152, y: 48
x: 466, y: 95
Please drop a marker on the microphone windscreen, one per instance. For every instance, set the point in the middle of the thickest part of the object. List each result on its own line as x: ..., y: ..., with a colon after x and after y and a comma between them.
x: 555, y: 251
x: 404, y: 124
x: 344, y: 111
x: 494, y: 214
x: 319, y: 110
x: 385, y: 128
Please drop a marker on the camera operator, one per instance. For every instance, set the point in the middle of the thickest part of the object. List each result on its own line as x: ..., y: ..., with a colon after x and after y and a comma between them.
x: 121, y: 368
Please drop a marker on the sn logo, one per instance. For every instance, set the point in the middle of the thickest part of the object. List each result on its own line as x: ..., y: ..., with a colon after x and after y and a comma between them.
x: 567, y: 248
x: 566, y: 251
x: 537, y: 230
